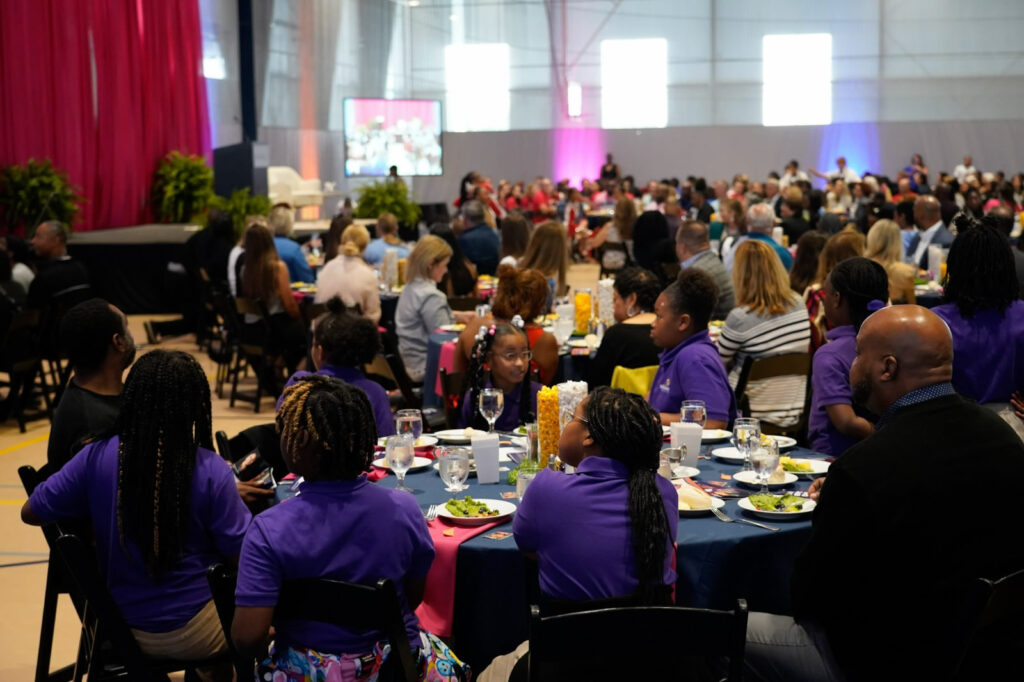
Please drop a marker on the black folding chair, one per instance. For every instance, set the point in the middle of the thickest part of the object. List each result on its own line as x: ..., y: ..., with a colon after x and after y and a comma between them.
x: 253, y: 348
x: 262, y: 437
x: 222, y: 581
x: 21, y: 360
x: 452, y: 387
x: 634, y: 642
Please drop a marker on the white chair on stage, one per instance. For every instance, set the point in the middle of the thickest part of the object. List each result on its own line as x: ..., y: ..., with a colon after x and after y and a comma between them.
x: 284, y: 184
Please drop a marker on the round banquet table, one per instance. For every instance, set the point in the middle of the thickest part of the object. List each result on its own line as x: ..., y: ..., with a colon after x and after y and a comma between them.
x: 717, y: 562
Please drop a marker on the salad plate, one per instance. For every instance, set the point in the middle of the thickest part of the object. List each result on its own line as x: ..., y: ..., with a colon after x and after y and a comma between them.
x: 457, y: 435
x: 418, y: 463
x: 817, y: 467
x: 424, y: 441
x: 785, y: 442
x: 728, y: 454
x: 715, y: 435
x: 504, y: 510
x: 806, y: 507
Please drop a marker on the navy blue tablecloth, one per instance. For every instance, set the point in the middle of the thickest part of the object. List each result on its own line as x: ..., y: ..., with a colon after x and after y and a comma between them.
x: 717, y: 563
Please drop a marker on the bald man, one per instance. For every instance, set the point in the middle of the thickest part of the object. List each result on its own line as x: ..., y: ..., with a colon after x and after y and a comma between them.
x: 876, y: 589
x: 928, y: 218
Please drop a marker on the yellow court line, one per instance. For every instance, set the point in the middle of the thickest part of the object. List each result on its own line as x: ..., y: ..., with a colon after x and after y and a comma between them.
x: 17, y: 502
x: 19, y: 446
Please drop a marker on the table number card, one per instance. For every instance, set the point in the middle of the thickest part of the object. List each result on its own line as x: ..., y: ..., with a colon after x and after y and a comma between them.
x: 485, y: 453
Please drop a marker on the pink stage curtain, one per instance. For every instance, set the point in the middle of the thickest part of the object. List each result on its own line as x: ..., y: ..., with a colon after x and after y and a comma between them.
x: 150, y: 95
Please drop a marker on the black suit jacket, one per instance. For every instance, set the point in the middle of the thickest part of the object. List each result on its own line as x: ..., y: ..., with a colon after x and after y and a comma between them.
x: 899, y: 530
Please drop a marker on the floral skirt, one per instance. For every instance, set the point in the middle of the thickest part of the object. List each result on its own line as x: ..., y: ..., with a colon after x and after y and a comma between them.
x: 436, y: 661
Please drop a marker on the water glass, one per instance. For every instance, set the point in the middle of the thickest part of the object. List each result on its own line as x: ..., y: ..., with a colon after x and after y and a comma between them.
x: 409, y: 422
x: 533, y: 442
x: 764, y: 458
x: 453, y: 465
x: 492, y: 402
x: 523, y: 480
x: 400, y: 453
x: 694, y: 411
x: 746, y: 435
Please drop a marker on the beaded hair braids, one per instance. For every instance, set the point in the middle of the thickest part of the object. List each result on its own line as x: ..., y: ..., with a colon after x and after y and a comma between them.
x: 627, y: 429
x: 165, y: 416
x: 476, y: 374
x: 338, y: 419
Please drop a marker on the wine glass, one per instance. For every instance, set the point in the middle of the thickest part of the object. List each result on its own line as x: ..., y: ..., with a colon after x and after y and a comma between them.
x: 764, y: 458
x: 492, y: 402
x: 694, y: 411
x: 563, y: 330
x: 453, y: 465
x: 746, y: 435
x: 400, y: 454
x: 409, y: 422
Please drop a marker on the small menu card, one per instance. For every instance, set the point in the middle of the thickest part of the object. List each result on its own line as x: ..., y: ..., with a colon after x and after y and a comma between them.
x: 485, y: 453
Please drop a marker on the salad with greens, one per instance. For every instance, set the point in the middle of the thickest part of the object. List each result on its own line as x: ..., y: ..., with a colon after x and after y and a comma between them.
x: 778, y: 503
x: 469, y: 507
x: 796, y: 466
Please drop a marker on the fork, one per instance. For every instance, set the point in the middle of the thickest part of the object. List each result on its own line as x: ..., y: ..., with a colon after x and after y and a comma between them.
x: 722, y: 516
x: 430, y: 514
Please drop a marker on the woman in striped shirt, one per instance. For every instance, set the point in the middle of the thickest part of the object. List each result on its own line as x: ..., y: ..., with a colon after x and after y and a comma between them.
x: 769, y: 319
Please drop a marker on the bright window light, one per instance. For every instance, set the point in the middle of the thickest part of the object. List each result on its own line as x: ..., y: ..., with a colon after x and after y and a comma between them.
x: 797, y: 78
x: 634, y: 97
x: 477, y: 80
x: 574, y: 94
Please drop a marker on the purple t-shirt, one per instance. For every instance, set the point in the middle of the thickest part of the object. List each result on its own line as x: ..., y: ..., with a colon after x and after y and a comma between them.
x: 693, y: 371
x: 345, y: 530
x: 579, y: 527
x: 87, y: 486
x: 988, y: 352
x: 509, y: 417
x: 375, y: 392
x: 830, y: 382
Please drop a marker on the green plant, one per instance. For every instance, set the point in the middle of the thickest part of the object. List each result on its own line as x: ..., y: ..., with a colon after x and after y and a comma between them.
x: 387, y: 197
x: 240, y: 206
x: 33, y: 193
x: 182, y: 187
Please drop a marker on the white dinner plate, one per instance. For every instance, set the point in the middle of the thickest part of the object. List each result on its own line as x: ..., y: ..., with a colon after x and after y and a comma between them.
x: 504, y: 508
x: 716, y: 503
x: 666, y: 432
x: 418, y: 463
x: 785, y: 442
x: 578, y: 343
x: 452, y: 327
x: 424, y: 441
x: 728, y: 454
x: 750, y: 478
x: 818, y: 467
x: 715, y: 435
x: 748, y: 506
x: 454, y: 435
x: 685, y: 472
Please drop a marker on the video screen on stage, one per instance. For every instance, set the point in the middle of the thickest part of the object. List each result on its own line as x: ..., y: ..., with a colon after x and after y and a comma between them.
x: 380, y: 133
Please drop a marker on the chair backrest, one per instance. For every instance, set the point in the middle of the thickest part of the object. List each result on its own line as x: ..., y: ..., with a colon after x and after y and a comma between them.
x: 634, y: 642
x: 21, y: 343
x: 787, y: 364
x: 464, y: 302
x: 348, y: 605
x: 451, y: 386
x: 222, y: 580
x: 397, y: 367
x: 988, y: 634
x: 634, y: 379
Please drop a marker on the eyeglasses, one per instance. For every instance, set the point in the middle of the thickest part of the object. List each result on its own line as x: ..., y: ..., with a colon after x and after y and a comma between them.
x: 511, y: 357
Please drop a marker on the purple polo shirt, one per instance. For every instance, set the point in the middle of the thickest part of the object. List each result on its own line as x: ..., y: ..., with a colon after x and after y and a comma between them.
x: 579, y: 527
x: 693, y: 371
x: 375, y: 392
x: 346, y: 530
x: 988, y: 352
x: 509, y: 417
x: 830, y: 383
x: 87, y: 486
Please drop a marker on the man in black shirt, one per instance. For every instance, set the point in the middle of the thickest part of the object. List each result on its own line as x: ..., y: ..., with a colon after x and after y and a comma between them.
x: 878, y: 588
x: 59, y: 274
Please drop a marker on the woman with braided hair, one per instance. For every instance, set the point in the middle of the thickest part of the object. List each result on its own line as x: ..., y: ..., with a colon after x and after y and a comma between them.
x: 341, y: 527
x: 501, y: 359
x: 616, y: 518
x: 854, y: 289
x: 163, y: 505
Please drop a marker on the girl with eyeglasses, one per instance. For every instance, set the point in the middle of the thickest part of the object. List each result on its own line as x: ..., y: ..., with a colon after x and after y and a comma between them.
x: 501, y: 359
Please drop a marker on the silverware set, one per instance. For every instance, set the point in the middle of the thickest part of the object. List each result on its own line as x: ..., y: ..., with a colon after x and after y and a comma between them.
x: 431, y: 513
x: 722, y: 516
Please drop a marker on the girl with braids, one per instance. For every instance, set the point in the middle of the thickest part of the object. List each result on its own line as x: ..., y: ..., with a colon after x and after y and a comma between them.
x: 616, y: 518
x: 854, y: 289
x: 163, y: 506
x: 327, y: 437
x: 501, y: 359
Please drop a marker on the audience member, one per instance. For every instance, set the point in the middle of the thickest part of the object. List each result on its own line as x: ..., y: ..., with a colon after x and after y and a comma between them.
x: 479, y: 241
x: 349, y: 277
x: 651, y: 246
x: 627, y: 343
x: 618, y: 235
x: 853, y: 290
x: 100, y: 348
x: 693, y: 250
x: 769, y: 319
x: 21, y: 257
x: 805, y: 260
x: 842, y: 172
x: 1002, y: 219
x: 282, y: 221
x: 548, y: 251
x: 332, y: 242
x: 59, y: 274
x: 844, y: 604
x: 965, y: 169
x: 700, y: 209
x: 460, y: 280
x: 515, y: 235
x: 904, y: 218
x: 885, y: 247
x: 541, y: 207
x: 928, y: 218
x: 500, y: 359
x: 839, y: 247
x: 760, y: 223
x: 791, y: 210
x: 163, y: 507
x: 387, y: 239
x: 689, y: 367
x: 792, y: 175
x: 327, y: 437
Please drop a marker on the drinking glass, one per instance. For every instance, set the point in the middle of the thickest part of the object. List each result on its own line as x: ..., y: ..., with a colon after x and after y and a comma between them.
x: 746, y: 435
x: 671, y: 459
x: 400, y: 453
x: 764, y: 458
x: 409, y: 422
x: 523, y: 480
x: 492, y: 402
x: 453, y: 465
x: 563, y: 330
x: 694, y: 411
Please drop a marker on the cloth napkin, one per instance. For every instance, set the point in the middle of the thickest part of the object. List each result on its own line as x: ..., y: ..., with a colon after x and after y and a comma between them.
x: 437, y: 610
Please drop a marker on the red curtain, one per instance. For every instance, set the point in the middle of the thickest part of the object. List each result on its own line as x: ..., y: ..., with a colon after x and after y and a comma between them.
x: 150, y: 95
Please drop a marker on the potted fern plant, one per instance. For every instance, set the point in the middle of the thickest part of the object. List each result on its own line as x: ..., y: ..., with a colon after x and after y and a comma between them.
x: 182, y: 187
x: 240, y: 205
x: 35, y: 192
x: 387, y: 197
